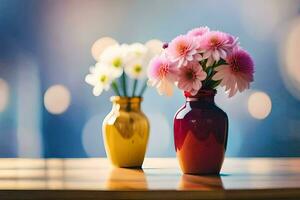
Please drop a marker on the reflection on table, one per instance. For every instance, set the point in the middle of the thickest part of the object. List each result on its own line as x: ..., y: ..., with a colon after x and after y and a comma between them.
x: 157, y: 174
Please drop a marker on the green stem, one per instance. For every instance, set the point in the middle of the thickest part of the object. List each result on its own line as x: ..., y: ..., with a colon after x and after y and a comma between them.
x: 209, y: 72
x: 215, y: 84
x: 123, y: 83
x: 203, y: 64
x: 115, y: 88
x: 208, y: 82
x: 143, y: 88
x: 134, y: 87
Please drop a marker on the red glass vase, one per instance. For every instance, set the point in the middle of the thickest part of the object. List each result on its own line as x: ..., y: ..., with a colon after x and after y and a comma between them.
x: 200, y: 133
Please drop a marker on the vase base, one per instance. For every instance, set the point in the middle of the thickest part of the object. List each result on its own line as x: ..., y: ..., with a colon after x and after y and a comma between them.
x: 128, y: 167
x: 203, y: 173
x: 207, y: 171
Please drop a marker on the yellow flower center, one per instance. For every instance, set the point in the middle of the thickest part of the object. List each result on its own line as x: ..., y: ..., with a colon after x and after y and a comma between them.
x: 138, y: 53
x: 137, y: 68
x: 103, y: 79
x: 117, y: 62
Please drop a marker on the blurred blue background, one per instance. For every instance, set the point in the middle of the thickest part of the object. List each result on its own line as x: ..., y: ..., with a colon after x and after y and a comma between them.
x: 48, y: 43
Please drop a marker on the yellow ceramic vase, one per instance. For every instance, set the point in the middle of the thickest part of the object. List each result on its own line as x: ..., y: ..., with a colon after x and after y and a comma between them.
x: 126, y: 132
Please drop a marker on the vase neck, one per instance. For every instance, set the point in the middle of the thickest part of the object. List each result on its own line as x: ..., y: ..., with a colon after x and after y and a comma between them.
x: 127, y: 103
x: 206, y: 96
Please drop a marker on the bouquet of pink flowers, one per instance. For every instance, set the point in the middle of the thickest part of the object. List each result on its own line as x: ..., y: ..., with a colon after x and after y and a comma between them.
x: 201, y: 59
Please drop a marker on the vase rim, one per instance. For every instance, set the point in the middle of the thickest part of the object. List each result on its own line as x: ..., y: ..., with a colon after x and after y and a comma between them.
x: 124, y: 99
x: 201, y: 93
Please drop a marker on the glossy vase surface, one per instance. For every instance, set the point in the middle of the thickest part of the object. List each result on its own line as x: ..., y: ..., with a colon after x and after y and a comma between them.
x: 126, y: 132
x: 200, y: 133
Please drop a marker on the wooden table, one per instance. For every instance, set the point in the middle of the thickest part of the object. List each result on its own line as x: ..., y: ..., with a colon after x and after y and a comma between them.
x: 161, y: 178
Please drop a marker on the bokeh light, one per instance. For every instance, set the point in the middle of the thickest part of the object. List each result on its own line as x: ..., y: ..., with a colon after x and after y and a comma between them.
x: 101, y: 44
x: 290, y: 52
x: 259, y: 105
x: 57, y: 99
x: 4, y: 95
x: 155, y: 46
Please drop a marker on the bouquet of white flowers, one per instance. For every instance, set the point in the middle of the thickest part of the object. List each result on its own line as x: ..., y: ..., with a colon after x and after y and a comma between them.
x: 118, y: 62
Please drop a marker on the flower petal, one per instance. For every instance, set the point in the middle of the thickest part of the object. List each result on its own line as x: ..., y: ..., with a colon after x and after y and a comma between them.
x: 91, y: 79
x: 97, y: 90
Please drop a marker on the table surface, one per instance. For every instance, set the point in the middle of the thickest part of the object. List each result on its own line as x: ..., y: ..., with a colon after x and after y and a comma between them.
x: 160, y: 178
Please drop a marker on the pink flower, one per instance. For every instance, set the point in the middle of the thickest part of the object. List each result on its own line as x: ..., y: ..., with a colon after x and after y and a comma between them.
x: 232, y: 43
x: 215, y: 45
x: 162, y: 74
x: 182, y: 50
x: 237, y: 75
x: 190, y: 77
x: 196, y: 32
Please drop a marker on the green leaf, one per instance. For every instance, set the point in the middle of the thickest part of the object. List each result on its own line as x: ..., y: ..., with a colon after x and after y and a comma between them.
x: 134, y: 87
x: 124, y: 84
x: 115, y: 88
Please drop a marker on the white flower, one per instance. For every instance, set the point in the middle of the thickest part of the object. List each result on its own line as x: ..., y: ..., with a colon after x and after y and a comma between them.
x: 136, y: 70
x: 136, y: 62
x: 155, y: 47
x: 99, y: 77
x: 113, y: 58
x: 136, y: 51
